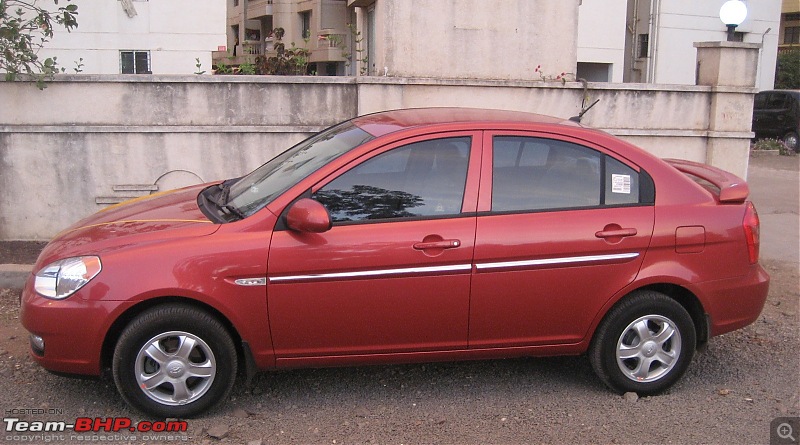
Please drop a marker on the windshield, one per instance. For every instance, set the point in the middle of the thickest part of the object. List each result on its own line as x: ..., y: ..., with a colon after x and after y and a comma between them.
x: 259, y: 188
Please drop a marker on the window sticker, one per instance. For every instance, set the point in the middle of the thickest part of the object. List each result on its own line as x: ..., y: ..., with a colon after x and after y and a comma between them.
x: 621, y: 184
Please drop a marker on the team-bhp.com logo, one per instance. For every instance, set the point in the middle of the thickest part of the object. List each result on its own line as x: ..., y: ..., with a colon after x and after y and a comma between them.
x: 17, y: 429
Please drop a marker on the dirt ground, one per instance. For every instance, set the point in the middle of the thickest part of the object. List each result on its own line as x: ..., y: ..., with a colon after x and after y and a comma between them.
x: 730, y: 394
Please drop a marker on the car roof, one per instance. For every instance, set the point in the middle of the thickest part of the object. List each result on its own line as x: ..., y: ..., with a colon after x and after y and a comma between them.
x: 385, y: 122
x: 792, y: 92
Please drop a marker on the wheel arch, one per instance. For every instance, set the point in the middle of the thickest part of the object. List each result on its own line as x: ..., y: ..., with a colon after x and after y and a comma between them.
x: 683, y: 296
x: 115, y: 330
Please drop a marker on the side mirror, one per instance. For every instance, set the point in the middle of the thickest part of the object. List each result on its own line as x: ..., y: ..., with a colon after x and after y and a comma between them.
x: 307, y: 215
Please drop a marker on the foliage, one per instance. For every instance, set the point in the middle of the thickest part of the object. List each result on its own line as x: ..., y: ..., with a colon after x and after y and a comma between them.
x: 362, y: 58
x: 247, y: 68
x: 773, y: 144
x: 25, y: 28
x: 787, y: 73
x: 563, y: 77
x: 199, y: 66
x: 222, y: 68
x: 286, y: 62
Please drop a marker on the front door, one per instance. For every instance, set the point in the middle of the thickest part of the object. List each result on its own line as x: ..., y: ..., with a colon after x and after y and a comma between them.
x: 393, y: 274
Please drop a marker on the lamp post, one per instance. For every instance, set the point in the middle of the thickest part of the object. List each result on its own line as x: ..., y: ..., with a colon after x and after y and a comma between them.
x: 732, y: 14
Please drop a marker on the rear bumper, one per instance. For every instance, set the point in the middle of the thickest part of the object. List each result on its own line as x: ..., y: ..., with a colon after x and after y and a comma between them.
x: 736, y: 302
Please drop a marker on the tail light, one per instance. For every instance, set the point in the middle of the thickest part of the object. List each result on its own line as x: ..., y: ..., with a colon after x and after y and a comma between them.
x: 752, y: 231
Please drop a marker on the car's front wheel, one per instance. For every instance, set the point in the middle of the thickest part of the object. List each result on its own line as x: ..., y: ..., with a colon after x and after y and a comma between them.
x: 644, y: 344
x: 174, y: 361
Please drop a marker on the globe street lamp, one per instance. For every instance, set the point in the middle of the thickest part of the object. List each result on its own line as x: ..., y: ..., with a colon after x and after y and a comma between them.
x: 732, y: 14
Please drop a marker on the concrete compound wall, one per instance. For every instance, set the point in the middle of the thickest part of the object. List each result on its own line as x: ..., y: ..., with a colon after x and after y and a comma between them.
x: 87, y: 141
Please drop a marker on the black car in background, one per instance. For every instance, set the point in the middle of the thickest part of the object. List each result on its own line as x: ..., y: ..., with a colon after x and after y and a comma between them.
x: 776, y: 114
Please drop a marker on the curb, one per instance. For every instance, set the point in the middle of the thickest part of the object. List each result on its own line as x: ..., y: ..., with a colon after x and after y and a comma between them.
x: 13, y: 276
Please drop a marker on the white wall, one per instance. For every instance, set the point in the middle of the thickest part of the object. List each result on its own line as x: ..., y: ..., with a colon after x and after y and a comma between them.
x: 683, y: 22
x: 174, y: 31
x: 601, y: 34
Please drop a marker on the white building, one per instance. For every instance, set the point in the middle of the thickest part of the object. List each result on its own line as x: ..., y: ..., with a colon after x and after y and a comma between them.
x: 140, y: 36
x: 652, y: 40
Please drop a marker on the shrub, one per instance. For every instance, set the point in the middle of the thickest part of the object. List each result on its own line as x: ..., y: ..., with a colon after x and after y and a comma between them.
x: 773, y: 144
x: 787, y: 73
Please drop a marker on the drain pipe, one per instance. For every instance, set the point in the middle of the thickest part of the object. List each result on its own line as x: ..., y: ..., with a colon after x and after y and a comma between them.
x: 760, y: 58
x: 655, y: 22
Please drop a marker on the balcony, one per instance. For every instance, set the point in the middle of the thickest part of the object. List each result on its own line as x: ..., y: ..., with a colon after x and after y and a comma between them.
x: 259, y: 8
x: 245, y: 53
x: 332, y: 46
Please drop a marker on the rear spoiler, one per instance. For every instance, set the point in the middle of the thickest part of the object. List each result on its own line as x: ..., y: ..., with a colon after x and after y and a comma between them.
x: 732, y: 189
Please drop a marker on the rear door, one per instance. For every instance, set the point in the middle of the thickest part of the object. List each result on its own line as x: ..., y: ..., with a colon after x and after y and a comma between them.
x: 562, y: 227
x: 393, y: 273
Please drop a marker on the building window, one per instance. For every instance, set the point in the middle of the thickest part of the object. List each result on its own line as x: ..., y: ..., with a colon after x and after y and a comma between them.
x: 235, y: 2
x: 594, y: 71
x: 305, y: 18
x: 134, y: 62
x: 644, y: 44
x: 791, y: 35
x: 794, y: 17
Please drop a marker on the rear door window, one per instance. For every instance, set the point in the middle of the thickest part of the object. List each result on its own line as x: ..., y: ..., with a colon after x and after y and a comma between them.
x: 531, y: 174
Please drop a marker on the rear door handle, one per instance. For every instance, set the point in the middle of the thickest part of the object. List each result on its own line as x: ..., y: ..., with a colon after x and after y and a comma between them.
x: 443, y: 244
x: 615, y: 233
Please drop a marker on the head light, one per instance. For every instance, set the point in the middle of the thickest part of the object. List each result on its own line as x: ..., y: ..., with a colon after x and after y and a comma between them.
x: 63, y: 278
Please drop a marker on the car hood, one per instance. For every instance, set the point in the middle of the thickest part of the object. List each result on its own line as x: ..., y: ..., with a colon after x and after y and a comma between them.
x: 154, y: 218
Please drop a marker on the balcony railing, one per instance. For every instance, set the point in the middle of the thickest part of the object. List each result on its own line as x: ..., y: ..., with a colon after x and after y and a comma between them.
x: 330, y: 40
x: 252, y: 48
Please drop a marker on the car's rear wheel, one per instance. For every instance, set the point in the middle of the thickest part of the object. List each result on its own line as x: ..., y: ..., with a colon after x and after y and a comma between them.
x: 174, y: 361
x: 791, y: 141
x: 644, y: 344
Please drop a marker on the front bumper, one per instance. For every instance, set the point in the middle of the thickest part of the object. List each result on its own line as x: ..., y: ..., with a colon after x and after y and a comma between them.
x: 73, y: 329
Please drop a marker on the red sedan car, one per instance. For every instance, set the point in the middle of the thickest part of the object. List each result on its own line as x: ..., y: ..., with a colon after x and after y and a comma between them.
x: 405, y: 236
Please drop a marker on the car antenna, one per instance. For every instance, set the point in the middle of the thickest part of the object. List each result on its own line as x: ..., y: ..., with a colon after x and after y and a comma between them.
x: 584, y: 108
x: 583, y: 111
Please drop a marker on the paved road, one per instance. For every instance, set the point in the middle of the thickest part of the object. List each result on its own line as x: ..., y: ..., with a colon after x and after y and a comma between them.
x: 775, y: 190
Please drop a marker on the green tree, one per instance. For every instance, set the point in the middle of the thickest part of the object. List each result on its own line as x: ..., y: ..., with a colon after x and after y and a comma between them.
x: 25, y: 27
x: 787, y: 74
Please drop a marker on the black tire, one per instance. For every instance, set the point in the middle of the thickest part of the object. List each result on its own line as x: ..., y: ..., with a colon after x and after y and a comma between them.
x: 193, y: 378
x: 791, y: 141
x: 625, y: 363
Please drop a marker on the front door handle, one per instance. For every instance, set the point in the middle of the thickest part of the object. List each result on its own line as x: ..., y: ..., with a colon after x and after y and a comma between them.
x: 615, y: 233
x: 443, y: 244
